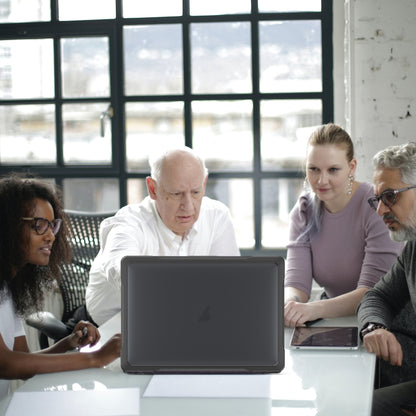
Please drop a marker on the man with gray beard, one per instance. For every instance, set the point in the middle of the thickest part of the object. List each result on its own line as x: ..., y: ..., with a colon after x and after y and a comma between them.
x: 395, y: 201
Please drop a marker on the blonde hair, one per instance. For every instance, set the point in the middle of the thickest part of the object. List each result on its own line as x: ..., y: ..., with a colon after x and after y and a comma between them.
x: 332, y: 134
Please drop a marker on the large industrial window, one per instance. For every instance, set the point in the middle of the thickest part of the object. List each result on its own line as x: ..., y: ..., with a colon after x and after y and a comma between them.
x: 89, y: 88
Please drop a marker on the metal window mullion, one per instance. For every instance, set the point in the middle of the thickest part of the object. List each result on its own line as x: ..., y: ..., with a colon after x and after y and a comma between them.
x: 117, y: 97
x: 327, y: 62
x: 255, y: 73
x: 58, y: 101
x: 54, y: 10
x: 187, y: 73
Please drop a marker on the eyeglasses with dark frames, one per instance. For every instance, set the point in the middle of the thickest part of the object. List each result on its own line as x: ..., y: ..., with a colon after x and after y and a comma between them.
x: 41, y: 225
x: 389, y: 197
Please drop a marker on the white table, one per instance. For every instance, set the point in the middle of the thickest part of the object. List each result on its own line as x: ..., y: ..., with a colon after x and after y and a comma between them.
x: 312, y: 383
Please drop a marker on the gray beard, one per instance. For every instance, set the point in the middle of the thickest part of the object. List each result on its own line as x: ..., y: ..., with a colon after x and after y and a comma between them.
x: 408, y: 230
x: 403, y: 235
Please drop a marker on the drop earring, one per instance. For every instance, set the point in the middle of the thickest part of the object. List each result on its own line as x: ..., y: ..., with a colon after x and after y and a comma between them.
x: 349, y: 184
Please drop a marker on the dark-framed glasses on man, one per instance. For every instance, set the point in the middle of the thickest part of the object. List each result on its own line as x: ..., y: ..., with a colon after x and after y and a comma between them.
x: 388, y: 197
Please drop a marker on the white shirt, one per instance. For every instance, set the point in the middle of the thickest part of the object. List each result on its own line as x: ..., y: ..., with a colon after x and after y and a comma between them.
x: 10, y: 327
x: 137, y: 229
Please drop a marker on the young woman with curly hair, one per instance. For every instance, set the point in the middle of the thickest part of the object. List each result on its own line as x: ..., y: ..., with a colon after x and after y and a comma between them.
x: 33, y: 242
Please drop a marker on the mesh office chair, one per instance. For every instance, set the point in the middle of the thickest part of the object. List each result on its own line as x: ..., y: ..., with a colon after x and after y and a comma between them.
x: 84, y: 231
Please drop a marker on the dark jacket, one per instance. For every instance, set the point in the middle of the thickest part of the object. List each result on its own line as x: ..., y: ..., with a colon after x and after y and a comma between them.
x: 392, y: 302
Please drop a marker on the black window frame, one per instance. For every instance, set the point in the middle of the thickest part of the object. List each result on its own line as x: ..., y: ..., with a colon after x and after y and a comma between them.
x: 113, y: 28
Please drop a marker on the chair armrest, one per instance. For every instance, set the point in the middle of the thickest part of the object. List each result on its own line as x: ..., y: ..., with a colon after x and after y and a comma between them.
x: 48, y: 324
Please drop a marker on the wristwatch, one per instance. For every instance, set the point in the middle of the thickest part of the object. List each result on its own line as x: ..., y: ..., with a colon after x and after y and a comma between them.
x: 370, y: 328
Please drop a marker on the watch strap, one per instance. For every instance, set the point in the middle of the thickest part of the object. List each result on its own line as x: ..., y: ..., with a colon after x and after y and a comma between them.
x: 372, y: 326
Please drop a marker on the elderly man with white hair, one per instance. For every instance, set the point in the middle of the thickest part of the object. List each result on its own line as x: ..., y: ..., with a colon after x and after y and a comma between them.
x: 175, y: 219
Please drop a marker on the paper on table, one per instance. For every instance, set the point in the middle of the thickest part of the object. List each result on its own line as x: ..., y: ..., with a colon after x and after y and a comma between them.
x: 112, y: 402
x: 209, y: 385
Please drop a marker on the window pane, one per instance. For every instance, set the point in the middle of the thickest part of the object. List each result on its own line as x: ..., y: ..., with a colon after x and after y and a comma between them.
x: 222, y: 134
x: 27, y: 134
x: 237, y: 194
x: 221, y: 57
x: 16, y: 11
x: 86, y: 10
x: 136, y: 191
x: 285, y: 128
x: 290, y: 56
x: 290, y: 6
x: 198, y: 7
x: 85, y: 67
x: 92, y: 194
x: 83, y: 143
x: 153, y: 59
x: 149, y: 127
x: 278, y: 197
x: 16, y: 57
x: 154, y: 8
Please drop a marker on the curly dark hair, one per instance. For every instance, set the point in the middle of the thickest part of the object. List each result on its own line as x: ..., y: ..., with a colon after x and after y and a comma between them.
x: 27, y: 282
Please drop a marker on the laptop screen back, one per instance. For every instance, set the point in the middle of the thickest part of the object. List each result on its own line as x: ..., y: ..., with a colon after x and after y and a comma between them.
x: 202, y: 314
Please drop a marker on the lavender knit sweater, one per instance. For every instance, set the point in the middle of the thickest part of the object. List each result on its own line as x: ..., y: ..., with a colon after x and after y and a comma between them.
x: 352, y: 249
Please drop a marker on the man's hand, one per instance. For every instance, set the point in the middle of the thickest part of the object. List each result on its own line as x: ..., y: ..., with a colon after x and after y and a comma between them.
x: 385, y: 345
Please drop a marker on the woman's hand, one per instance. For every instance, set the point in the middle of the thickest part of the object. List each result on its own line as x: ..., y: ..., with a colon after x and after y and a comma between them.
x: 410, y: 412
x: 84, y: 333
x: 296, y: 313
x: 109, y: 351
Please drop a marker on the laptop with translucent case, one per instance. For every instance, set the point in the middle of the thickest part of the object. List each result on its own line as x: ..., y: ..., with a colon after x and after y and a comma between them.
x: 202, y: 314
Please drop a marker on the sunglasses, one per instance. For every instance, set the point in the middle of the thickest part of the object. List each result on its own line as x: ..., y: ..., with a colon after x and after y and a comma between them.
x: 389, y: 197
x: 41, y: 225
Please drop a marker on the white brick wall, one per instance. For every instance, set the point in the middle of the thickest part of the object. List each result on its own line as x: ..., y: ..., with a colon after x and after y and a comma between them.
x: 380, y: 75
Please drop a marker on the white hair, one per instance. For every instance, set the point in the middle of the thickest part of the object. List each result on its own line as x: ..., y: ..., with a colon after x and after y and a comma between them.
x: 156, y: 160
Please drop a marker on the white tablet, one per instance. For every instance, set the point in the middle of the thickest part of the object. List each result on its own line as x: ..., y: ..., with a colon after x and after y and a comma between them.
x: 325, y: 337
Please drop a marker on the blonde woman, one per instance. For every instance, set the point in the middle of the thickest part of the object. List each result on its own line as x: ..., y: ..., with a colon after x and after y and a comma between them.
x: 336, y: 239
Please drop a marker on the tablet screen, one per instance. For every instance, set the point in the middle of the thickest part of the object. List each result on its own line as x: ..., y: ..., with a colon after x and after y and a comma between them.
x: 321, y: 337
